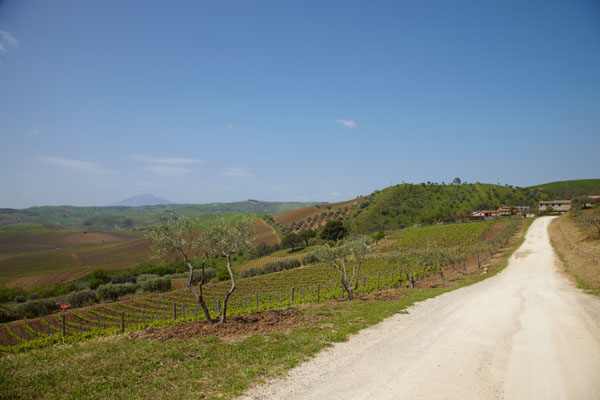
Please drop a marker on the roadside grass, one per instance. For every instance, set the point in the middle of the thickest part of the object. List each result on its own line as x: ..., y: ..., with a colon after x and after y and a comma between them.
x: 121, y: 367
x: 585, y: 272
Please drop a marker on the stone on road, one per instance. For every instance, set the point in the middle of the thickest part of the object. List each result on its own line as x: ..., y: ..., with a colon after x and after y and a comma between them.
x: 525, y: 333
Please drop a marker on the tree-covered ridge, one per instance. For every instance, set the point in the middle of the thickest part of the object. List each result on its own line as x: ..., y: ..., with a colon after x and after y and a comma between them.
x: 570, y: 189
x: 403, y: 205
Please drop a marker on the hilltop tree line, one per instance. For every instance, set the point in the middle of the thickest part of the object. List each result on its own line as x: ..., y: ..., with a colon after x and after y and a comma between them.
x: 404, y: 205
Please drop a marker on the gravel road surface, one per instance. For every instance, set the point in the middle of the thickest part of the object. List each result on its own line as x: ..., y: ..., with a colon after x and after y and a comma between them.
x: 525, y: 333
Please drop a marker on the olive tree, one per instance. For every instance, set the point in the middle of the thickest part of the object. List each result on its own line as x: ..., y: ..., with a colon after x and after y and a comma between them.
x: 438, y: 259
x: 459, y: 256
x: 413, y: 265
x: 226, y: 240
x: 291, y: 240
x: 306, y: 235
x: 347, y: 259
x: 183, y: 238
x: 592, y: 220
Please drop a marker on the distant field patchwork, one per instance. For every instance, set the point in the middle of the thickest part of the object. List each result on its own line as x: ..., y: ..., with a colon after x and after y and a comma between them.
x: 32, y: 259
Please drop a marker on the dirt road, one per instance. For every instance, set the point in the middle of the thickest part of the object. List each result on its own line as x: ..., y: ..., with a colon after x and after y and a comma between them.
x: 525, y: 333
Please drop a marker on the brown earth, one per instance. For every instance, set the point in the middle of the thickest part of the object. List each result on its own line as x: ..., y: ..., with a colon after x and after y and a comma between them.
x: 496, y: 229
x: 50, y: 240
x: 117, y: 255
x: 50, y: 278
x: 303, y: 213
x: 236, y: 328
x: 265, y: 234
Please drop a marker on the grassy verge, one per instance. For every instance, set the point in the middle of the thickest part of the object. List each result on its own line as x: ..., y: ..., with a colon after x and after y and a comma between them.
x: 119, y: 367
x: 585, y: 272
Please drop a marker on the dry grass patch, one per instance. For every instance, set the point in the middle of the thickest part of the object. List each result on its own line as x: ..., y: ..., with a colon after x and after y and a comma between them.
x: 564, y: 234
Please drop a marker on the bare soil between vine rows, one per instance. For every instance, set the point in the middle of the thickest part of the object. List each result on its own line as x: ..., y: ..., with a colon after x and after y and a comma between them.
x: 261, y: 322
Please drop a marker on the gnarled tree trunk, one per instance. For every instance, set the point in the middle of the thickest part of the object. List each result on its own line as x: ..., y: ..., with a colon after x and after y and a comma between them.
x: 230, y: 292
x: 199, y: 295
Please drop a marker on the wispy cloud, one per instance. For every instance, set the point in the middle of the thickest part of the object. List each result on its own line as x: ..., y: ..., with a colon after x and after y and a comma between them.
x: 229, y: 126
x: 334, y: 194
x: 167, y: 160
x: 168, y: 170
x: 35, y: 131
x: 7, y: 41
x: 237, y: 172
x: 348, y: 123
x: 73, y: 165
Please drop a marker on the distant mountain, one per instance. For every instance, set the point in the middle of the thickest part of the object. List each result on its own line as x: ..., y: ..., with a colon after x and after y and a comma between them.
x: 143, y: 200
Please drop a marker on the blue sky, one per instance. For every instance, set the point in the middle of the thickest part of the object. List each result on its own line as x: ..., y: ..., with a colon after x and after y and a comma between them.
x: 201, y: 101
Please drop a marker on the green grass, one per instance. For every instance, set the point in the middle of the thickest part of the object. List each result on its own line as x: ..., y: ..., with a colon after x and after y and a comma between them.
x: 289, y: 252
x: 442, y: 235
x: 118, y: 367
x: 23, y: 227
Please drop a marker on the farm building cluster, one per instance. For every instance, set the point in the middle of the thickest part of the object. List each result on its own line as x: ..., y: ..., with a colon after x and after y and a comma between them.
x: 560, y: 206
x: 500, y: 212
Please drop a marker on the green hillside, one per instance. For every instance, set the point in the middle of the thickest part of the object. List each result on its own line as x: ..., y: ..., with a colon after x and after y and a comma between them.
x: 570, y: 189
x: 407, y: 204
x: 121, y: 217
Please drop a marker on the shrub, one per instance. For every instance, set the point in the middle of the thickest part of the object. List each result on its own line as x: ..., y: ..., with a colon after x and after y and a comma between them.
x: 270, y: 267
x: 145, y: 277
x: 58, y: 289
x: 169, y: 268
x: 8, y: 294
x: 125, y: 278
x: 157, y: 285
x: 310, y: 258
x: 209, y: 274
x: 99, y: 277
x: 33, y: 296
x: 5, y: 316
x: 36, y: 308
x: 20, y: 298
x: 333, y: 230
x: 111, y: 291
x: 82, y: 298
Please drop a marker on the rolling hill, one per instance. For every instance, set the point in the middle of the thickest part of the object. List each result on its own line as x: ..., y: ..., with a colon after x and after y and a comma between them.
x: 570, y: 189
x: 123, y: 217
x: 407, y: 204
